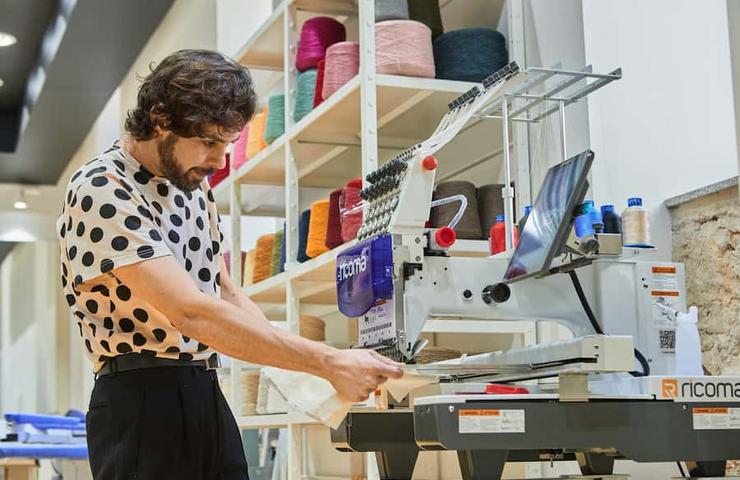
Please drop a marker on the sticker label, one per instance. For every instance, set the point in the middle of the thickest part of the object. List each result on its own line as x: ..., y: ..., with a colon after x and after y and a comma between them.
x: 716, y: 418
x: 491, y: 421
x: 378, y: 324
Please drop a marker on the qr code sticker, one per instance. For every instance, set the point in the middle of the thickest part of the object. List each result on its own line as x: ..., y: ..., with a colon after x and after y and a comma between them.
x: 667, y: 340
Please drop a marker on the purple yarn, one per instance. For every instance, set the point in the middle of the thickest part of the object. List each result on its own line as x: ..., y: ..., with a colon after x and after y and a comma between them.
x: 317, y: 34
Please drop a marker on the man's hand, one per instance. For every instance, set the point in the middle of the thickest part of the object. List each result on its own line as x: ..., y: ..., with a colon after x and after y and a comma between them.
x: 355, y: 374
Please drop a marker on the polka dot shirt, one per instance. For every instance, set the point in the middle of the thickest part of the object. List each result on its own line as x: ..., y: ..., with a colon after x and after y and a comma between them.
x: 117, y: 213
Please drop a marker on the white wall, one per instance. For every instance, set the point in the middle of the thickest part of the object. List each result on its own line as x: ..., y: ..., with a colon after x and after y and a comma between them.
x: 668, y: 126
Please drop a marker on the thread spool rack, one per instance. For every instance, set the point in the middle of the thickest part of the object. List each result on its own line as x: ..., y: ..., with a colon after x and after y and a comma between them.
x: 361, y: 126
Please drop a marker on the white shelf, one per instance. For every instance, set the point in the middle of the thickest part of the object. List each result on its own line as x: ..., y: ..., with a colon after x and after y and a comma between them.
x: 269, y: 290
x: 275, y: 420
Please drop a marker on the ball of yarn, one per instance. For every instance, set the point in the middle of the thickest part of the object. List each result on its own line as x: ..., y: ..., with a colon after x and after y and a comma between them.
x: 316, y: 244
x: 334, y: 228
x: 239, y: 156
x: 283, y: 249
x: 305, y: 88
x: 469, y: 226
x: 303, y: 224
x: 256, y: 141
x: 350, y: 209
x: 391, y: 10
x: 342, y: 65
x: 263, y: 257
x: 470, y: 54
x: 404, y: 47
x: 277, y: 246
x: 312, y: 328
x: 490, y: 204
x: 428, y: 13
x: 318, y: 98
x: 317, y: 34
x: 248, y: 271
x: 275, y: 124
x: 220, y: 175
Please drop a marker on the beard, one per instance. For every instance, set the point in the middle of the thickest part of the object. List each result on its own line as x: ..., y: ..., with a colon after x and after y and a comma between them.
x: 171, y: 169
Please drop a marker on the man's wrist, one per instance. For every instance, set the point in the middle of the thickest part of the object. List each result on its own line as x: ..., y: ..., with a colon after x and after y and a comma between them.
x: 325, y: 360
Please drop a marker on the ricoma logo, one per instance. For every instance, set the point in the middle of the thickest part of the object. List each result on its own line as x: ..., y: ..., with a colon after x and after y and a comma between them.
x: 348, y: 268
x: 670, y: 388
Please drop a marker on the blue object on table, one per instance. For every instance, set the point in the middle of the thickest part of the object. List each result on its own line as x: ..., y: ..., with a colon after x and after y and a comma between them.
x: 588, y: 217
x: 13, y: 449
x: 34, y: 418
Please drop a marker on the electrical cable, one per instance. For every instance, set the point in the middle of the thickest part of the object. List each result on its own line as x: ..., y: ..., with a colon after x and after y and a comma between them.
x: 597, y: 328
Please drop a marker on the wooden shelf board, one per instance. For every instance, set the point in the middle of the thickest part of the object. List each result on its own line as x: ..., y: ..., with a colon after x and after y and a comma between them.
x: 264, y: 49
x: 270, y: 290
x: 266, y: 168
x: 275, y: 420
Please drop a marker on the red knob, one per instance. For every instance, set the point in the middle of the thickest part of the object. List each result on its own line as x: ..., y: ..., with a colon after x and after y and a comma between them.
x: 445, y: 237
x: 429, y: 163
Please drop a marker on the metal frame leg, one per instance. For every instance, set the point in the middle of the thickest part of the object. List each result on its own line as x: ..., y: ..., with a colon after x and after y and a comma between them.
x: 482, y: 464
x: 595, y: 463
x: 397, y: 464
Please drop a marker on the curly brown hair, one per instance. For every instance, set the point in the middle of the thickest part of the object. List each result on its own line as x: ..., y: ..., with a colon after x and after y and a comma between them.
x: 189, y: 91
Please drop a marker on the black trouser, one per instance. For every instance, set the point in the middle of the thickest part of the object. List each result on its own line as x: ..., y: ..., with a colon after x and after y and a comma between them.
x: 163, y: 423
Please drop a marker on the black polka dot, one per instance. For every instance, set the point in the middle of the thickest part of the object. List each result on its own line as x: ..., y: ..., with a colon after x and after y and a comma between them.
x: 172, y: 350
x: 142, y: 177
x: 126, y: 324
x: 72, y: 252
x: 190, y: 195
x: 74, y: 201
x: 159, y: 222
x: 93, y: 328
x: 119, y: 164
x: 202, y: 347
x: 88, y: 259
x: 106, y: 265
x: 101, y: 289
x: 132, y: 222
x: 105, y: 345
x: 179, y: 201
x: 159, y: 334
x: 144, y: 212
x: 209, y: 254
x: 202, y: 203
x: 80, y: 315
x: 78, y: 280
x: 119, y: 243
x: 139, y: 339
x: 127, y: 186
x: 92, y: 306
x: 145, y: 251
x: 64, y: 269
x: 157, y: 207
x: 95, y: 171
x: 151, y: 353
x: 70, y: 299
x: 112, y: 306
x: 210, y: 196
x: 69, y: 197
x: 186, y: 357
x: 204, y: 274
x: 188, y: 264
x: 87, y: 345
x: 122, y: 194
x: 173, y: 236
x: 163, y: 190
x: 123, y: 292
x: 187, y: 213
x: 199, y: 223
x: 216, y: 247
x: 218, y: 279
x: 154, y: 235
x: 69, y: 224
x: 64, y: 282
x: 186, y: 339
x: 99, y: 181
x: 96, y: 234
x: 108, y: 323
x: 107, y: 210
x: 61, y: 231
x: 123, y: 347
x: 184, y: 250
x: 176, y: 220
x: 80, y: 229
x: 141, y: 315
x: 76, y: 176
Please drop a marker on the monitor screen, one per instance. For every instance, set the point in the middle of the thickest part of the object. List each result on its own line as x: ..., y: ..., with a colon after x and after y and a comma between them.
x: 548, y: 225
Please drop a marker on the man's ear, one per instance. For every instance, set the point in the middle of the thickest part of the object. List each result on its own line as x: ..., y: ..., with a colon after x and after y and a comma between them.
x: 159, y: 120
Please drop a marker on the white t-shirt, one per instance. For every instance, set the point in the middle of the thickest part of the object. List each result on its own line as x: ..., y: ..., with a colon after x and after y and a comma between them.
x: 117, y: 213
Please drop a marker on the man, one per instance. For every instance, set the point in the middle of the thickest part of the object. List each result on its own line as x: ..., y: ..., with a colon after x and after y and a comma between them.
x: 144, y: 277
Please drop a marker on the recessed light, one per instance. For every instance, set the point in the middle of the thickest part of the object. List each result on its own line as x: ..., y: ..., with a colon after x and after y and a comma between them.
x: 2, y: 82
x: 7, y: 39
x: 20, y: 205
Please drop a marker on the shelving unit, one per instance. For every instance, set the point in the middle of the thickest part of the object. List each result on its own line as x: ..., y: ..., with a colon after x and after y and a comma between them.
x: 363, y: 124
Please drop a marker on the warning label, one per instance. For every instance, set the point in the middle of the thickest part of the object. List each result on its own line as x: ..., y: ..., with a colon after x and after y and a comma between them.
x: 491, y: 421
x: 664, y: 278
x: 664, y: 293
x: 716, y: 418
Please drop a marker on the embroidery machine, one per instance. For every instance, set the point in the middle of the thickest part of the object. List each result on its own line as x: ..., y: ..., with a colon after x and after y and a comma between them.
x: 616, y: 396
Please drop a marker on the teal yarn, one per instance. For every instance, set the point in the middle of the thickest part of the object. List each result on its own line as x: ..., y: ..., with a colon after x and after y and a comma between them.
x: 469, y: 54
x: 275, y: 125
x: 305, y: 89
x: 303, y: 222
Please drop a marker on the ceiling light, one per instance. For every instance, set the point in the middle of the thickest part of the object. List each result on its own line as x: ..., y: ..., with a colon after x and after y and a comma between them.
x: 2, y: 82
x: 7, y: 39
x: 20, y: 205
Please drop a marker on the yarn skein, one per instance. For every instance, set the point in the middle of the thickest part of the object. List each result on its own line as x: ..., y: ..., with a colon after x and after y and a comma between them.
x: 303, y: 224
x: 342, y: 64
x: 240, y: 149
x: 490, y: 204
x: 428, y: 13
x: 277, y: 246
x: 318, y: 98
x: 316, y: 244
x: 248, y: 271
x: 317, y: 34
x: 275, y: 124
x: 263, y: 257
x: 404, y: 47
x: 283, y: 249
x: 256, y: 141
x: 334, y: 228
x: 391, y: 10
x: 469, y: 226
x: 350, y: 209
x: 305, y: 88
x: 469, y: 54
